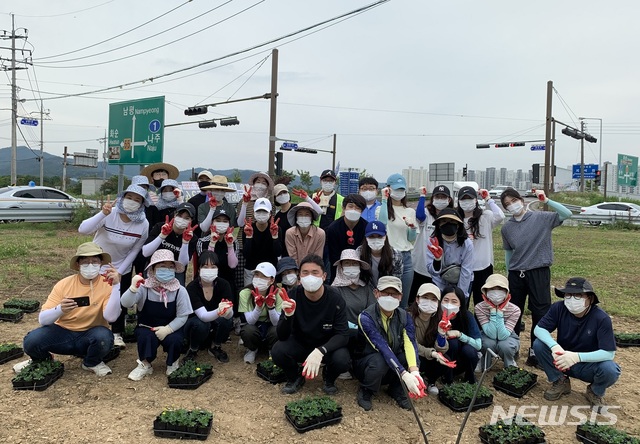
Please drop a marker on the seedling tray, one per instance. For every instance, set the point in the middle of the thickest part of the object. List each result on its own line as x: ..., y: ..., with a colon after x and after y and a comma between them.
x: 164, y: 430
x: 11, y: 355
x: 478, y: 405
x: 31, y: 307
x: 39, y: 386
x: 11, y: 318
x: 580, y: 437
x: 190, y: 386
x: 516, y: 393
x: 486, y: 441
x: 314, y: 426
x: 113, y: 354
x: 270, y: 377
x: 626, y: 344
x: 129, y: 339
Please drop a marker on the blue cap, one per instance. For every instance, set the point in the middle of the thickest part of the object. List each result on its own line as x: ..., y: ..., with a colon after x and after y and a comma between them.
x: 396, y: 181
x: 375, y: 227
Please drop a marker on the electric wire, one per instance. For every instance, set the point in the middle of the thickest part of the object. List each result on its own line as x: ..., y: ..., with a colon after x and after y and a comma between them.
x: 65, y: 13
x: 260, y: 63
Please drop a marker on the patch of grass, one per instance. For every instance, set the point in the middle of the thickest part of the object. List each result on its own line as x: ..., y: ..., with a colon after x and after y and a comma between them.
x: 13, y: 249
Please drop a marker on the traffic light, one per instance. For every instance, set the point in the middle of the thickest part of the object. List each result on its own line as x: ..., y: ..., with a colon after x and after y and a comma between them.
x: 278, y: 164
x: 207, y: 124
x: 229, y: 121
x: 195, y: 110
x: 464, y: 172
x: 573, y: 133
x: 482, y: 146
x: 589, y: 138
x: 512, y: 144
x: 535, y: 173
x: 502, y: 145
x: 598, y: 177
x: 306, y: 150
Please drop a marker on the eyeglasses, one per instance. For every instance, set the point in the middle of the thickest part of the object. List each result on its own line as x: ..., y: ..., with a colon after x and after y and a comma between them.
x: 576, y: 296
x: 95, y: 261
x: 350, y: 240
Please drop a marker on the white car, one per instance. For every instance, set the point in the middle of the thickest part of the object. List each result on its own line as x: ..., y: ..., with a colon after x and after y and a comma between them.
x: 607, y: 211
x: 497, y: 191
x: 38, y: 204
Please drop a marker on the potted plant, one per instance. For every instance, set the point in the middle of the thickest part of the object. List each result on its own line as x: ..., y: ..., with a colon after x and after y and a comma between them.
x: 38, y: 376
x: 190, y: 375
x: 312, y: 413
x: 595, y: 433
x: 10, y: 351
x: 11, y: 314
x: 458, y: 396
x: 128, y: 334
x: 26, y: 305
x: 131, y: 316
x: 183, y: 424
x: 515, y: 381
x: 515, y: 430
x: 627, y: 339
x: 270, y: 372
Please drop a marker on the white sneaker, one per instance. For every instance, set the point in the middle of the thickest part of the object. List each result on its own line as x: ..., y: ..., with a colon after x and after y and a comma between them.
x: 479, y: 368
x: 21, y: 365
x: 345, y: 376
x: 101, y: 369
x: 250, y: 356
x: 140, y: 371
x: 433, y: 390
x: 118, y: 341
x: 173, y: 367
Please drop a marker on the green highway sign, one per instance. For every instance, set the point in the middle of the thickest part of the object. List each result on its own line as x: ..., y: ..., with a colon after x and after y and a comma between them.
x: 136, y: 131
x: 627, y: 170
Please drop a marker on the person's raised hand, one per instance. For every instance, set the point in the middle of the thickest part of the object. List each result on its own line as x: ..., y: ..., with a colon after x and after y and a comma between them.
x: 248, y: 228
x: 423, y: 191
x: 270, y: 299
x: 167, y: 228
x: 541, y: 196
x: 302, y: 194
x: 177, y: 192
x: 386, y: 192
x: 213, y: 203
x: 435, y: 248
x: 316, y: 198
x: 483, y: 193
x: 257, y: 297
x: 136, y: 281
x: 288, y: 304
x: 504, y: 303
x: 215, y: 236
x: 111, y: 275
x: 274, y: 228
x: 246, y: 196
x: 187, y: 234
x: 228, y: 236
x: 107, y: 206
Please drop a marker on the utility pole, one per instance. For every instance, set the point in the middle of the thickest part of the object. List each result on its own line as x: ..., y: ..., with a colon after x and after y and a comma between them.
x: 64, y: 170
x: 552, y: 174
x: 333, y: 162
x: 582, y: 158
x: 42, y: 115
x: 547, y: 137
x: 272, y: 115
x: 104, y: 156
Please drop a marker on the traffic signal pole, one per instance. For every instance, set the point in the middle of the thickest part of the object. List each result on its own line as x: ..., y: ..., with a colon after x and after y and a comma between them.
x: 272, y: 114
x: 547, y: 137
x: 582, y: 158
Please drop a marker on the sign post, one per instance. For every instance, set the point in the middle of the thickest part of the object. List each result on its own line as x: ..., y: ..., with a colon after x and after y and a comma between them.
x: 590, y: 171
x: 627, y: 170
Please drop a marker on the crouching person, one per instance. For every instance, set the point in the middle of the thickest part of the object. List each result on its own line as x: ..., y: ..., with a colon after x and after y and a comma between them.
x: 312, y: 330
x: 163, y: 308
x: 75, y: 318
x: 391, y: 338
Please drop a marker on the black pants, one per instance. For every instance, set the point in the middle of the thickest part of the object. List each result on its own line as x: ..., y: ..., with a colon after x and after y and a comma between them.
x: 373, y: 371
x: 479, y: 278
x: 288, y: 354
x: 536, y: 283
x: 418, y: 280
x: 431, y: 369
x: 466, y: 358
x: 125, y: 283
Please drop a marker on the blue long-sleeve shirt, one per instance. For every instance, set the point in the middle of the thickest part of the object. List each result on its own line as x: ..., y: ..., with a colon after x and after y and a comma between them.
x: 454, y: 254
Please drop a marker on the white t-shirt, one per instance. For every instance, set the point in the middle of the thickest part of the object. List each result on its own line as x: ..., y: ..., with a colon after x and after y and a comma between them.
x: 483, y: 246
x: 397, y: 229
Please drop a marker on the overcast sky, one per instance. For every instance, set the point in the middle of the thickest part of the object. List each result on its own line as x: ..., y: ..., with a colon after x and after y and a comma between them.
x: 407, y: 83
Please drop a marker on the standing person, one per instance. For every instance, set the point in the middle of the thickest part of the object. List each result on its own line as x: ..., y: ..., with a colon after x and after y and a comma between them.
x: 368, y: 188
x: 157, y: 173
x: 526, y: 239
x: 329, y: 200
x: 401, y: 227
x: 391, y: 344
x: 261, y: 239
x: 211, y: 300
x: 426, y: 214
x: 168, y: 199
x: 450, y: 253
x: 163, y: 308
x: 70, y: 329
x: 347, y: 231
x: 479, y: 225
x: 303, y: 238
x: 215, y: 199
x: 204, y: 180
x: 375, y: 250
x: 312, y: 329
x: 122, y: 231
x: 283, y: 201
x: 585, y: 345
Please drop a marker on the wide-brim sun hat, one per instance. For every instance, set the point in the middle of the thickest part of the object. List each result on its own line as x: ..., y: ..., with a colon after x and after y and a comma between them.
x: 265, y: 176
x: 169, y: 183
x: 577, y: 285
x: 135, y: 189
x: 448, y: 214
x: 163, y: 255
x: 218, y: 183
x: 293, y: 212
x: 496, y: 280
x: 352, y: 255
x: 171, y: 170
x: 88, y: 249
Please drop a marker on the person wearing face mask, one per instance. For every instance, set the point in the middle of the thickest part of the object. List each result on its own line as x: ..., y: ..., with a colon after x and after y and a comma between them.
x: 287, y: 273
x: 312, y: 329
x: 426, y: 213
x: 260, y: 186
x: 401, y: 225
x: 497, y: 318
x: 426, y: 314
x: 211, y: 299
x: 215, y: 194
x: 368, y: 188
x: 479, y: 225
x: 459, y: 329
x: 526, y: 239
x: 382, y: 258
x: 260, y: 239
x: 163, y: 307
x: 121, y: 229
x: 143, y: 182
x: 346, y: 232
x: 260, y: 306
x: 450, y: 255
x: 69, y: 329
x: 303, y: 238
x: 328, y: 199
x: 169, y: 198
x: 390, y: 341
x: 156, y: 173
x: 584, y: 347
x: 283, y: 202
x: 175, y: 235
x: 204, y: 180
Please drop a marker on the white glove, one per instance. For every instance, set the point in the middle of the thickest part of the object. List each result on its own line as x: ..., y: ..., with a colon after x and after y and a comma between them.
x: 412, y: 383
x: 163, y: 332
x: 224, y: 307
x: 289, y: 307
x: 555, y: 349
x: 229, y: 313
x: 566, y: 359
x: 452, y: 334
x: 421, y: 385
x: 312, y: 364
x: 136, y: 281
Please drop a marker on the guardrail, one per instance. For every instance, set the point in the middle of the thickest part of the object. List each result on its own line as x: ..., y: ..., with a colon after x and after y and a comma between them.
x: 10, y: 215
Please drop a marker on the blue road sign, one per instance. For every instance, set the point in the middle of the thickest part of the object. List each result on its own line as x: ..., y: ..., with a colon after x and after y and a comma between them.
x: 590, y: 170
x: 27, y: 121
x: 537, y: 147
x: 289, y: 146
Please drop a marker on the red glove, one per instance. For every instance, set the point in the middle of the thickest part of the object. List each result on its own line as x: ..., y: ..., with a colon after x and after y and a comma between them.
x: 138, y: 281
x: 483, y: 194
x: 435, y: 248
x: 442, y: 359
x: 187, y: 234
x: 213, y: 203
x: 350, y: 239
x: 421, y: 386
x: 541, y: 196
x: 228, y: 236
x: 445, y: 324
x: 257, y: 297
x: 274, y: 228
x: 246, y: 197
x: 215, y: 236
x: 248, y: 228
x: 285, y: 297
x: 270, y: 300
x: 423, y: 191
x: 229, y: 305
x: 167, y: 228
x: 302, y: 194
x: 407, y: 223
x: 505, y: 302
x: 316, y: 198
x: 107, y: 279
x: 177, y: 192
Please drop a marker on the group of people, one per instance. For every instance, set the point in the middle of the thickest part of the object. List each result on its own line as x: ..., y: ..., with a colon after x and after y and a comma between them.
x: 337, y: 286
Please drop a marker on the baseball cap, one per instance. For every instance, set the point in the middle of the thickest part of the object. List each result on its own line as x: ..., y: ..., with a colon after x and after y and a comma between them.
x: 429, y: 288
x: 186, y: 206
x: 467, y: 191
x: 328, y: 173
x: 266, y: 268
x: 279, y: 189
x: 375, y: 227
x: 262, y: 204
x: 442, y: 189
x: 220, y: 211
x: 206, y: 173
x: 389, y: 282
x: 576, y: 285
x: 496, y: 280
x: 448, y: 213
x: 397, y: 181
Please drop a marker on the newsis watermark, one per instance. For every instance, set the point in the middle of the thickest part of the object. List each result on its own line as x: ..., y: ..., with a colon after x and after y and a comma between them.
x: 554, y: 415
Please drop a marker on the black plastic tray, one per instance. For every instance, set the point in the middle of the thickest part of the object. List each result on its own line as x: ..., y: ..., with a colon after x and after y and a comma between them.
x: 11, y: 319
x: 315, y: 426
x: 272, y: 379
x: 175, y: 434
x: 129, y: 339
x: 626, y: 344
x: 498, y: 386
x: 584, y: 439
x: 193, y: 386
x: 41, y: 387
x: 31, y: 310
x: 486, y: 441
x: 476, y: 406
x: 13, y: 355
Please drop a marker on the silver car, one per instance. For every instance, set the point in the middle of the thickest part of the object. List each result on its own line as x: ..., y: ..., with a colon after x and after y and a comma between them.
x: 606, y: 212
x: 38, y: 204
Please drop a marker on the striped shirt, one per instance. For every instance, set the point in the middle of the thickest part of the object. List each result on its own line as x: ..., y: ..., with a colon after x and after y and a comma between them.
x: 511, y: 314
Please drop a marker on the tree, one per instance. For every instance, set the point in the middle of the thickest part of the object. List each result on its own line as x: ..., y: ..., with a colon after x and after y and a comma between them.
x: 237, y: 177
x: 364, y: 174
x: 285, y: 178
x: 305, y: 179
x: 111, y: 185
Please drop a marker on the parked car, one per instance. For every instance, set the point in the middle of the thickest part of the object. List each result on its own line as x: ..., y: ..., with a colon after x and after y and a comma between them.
x: 497, y: 191
x: 529, y: 193
x: 38, y: 204
x: 617, y: 210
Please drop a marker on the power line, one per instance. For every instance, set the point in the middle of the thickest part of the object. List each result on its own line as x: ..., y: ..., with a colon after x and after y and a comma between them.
x: 65, y: 13
x: 259, y: 64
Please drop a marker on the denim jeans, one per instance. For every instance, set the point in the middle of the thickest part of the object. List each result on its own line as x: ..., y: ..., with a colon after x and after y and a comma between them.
x: 92, y: 345
x: 407, y: 278
x: 600, y: 375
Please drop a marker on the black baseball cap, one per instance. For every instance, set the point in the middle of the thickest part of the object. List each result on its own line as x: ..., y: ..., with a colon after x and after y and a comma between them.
x: 441, y: 189
x: 467, y: 191
x: 328, y: 173
x: 577, y: 285
x: 186, y: 206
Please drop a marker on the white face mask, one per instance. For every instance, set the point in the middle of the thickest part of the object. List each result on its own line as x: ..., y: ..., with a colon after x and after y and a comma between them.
x: 515, y: 208
x: 369, y: 196
x: 311, y: 283
x: 440, y: 204
x: 89, y: 271
x: 450, y: 308
x: 168, y: 196
x: 496, y: 297
x: 290, y: 279
x: 388, y: 303
x: 283, y: 198
x: 260, y: 283
x: 376, y: 244
x: 130, y: 206
x: 428, y: 306
x: 467, y: 204
x: 351, y: 271
x: 261, y: 216
x: 180, y: 223
x: 328, y: 186
x: 303, y: 221
x: 398, y: 194
x: 208, y: 274
x: 575, y: 307
x: 352, y: 215
x: 221, y: 227
x: 219, y: 195
x: 259, y: 190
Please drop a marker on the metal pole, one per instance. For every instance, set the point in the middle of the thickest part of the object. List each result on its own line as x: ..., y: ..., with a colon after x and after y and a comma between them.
x: 14, y: 107
x: 104, y: 157
x: 547, y: 136
x: 41, y: 143
x: 553, y: 158
x: 64, y: 170
x: 600, y: 155
x: 333, y: 163
x: 272, y: 115
x: 606, y: 164
x: 582, y: 157
x: 121, y: 178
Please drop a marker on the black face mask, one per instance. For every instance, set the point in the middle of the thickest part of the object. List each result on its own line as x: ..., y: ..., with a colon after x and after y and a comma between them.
x: 449, y: 229
x: 203, y: 184
x: 157, y: 183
